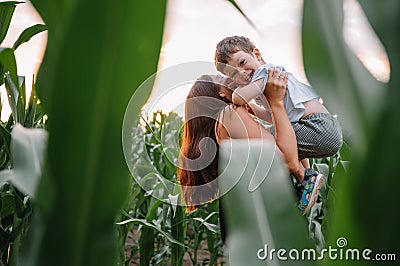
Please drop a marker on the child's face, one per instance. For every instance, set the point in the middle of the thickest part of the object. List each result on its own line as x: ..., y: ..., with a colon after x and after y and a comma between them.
x: 243, y: 66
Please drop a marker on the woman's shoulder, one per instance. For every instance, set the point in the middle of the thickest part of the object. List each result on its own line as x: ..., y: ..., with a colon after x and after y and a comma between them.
x: 231, y: 118
x: 233, y: 114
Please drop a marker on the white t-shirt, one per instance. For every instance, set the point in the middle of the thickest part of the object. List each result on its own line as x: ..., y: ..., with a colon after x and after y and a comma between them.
x: 296, y: 94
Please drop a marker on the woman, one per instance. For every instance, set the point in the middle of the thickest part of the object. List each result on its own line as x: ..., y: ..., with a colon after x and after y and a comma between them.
x: 210, y: 118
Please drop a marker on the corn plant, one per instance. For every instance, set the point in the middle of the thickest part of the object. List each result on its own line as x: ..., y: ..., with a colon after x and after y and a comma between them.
x: 318, y: 217
x: 369, y: 112
x: 16, y: 189
x: 166, y: 231
x: 98, y: 53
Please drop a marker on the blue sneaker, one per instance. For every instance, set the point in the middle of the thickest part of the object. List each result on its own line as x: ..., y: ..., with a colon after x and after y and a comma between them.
x: 311, y: 185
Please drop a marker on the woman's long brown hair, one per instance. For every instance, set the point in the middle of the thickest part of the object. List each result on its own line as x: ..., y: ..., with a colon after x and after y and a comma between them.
x: 202, y: 108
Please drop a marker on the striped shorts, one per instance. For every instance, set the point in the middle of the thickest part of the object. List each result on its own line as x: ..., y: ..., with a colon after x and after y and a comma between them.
x: 318, y: 135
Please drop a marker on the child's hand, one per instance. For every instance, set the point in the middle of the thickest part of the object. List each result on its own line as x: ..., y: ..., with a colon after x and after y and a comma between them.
x: 276, y: 86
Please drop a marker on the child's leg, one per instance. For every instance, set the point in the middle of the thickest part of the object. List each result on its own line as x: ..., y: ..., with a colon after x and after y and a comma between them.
x: 318, y: 135
x: 299, y: 172
x: 305, y: 163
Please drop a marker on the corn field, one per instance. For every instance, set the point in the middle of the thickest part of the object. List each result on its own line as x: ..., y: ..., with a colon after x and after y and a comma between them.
x: 67, y: 196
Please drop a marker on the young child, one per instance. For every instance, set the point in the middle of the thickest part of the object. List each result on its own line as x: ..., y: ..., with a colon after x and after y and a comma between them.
x: 318, y: 133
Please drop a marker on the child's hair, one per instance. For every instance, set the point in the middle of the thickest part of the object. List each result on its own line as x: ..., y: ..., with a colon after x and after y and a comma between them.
x: 229, y: 46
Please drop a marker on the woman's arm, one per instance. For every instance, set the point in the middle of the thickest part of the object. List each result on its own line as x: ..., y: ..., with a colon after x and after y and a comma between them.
x: 284, y: 134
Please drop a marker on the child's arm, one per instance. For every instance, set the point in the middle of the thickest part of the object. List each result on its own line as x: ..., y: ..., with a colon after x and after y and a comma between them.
x: 243, y: 95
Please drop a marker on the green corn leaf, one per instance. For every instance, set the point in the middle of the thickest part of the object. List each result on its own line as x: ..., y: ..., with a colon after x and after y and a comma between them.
x: 264, y: 216
x: 31, y: 109
x: 16, y: 97
x: 347, y: 88
x: 13, y: 96
x: 146, y: 244
x: 371, y: 183
x: 322, y: 168
x: 152, y: 209
x: 345, y: 152
x: 3, y: 239
x: 6, y: 12
x: 21, y: 99
x: 155, y: 228
x: 211, y: 227
x: 8, y: 64
x: 159, y: 257
x: 28, y: 33
x: 177, y: 231
x: 9, y: 123
x: 39, y: 113
x: 7, y: 205
x: 214, y: 228
x: 28, y: 148
x: 6, y: 138
x: 90, y: 71
x: 1, y: 103
x: 213, y: 237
